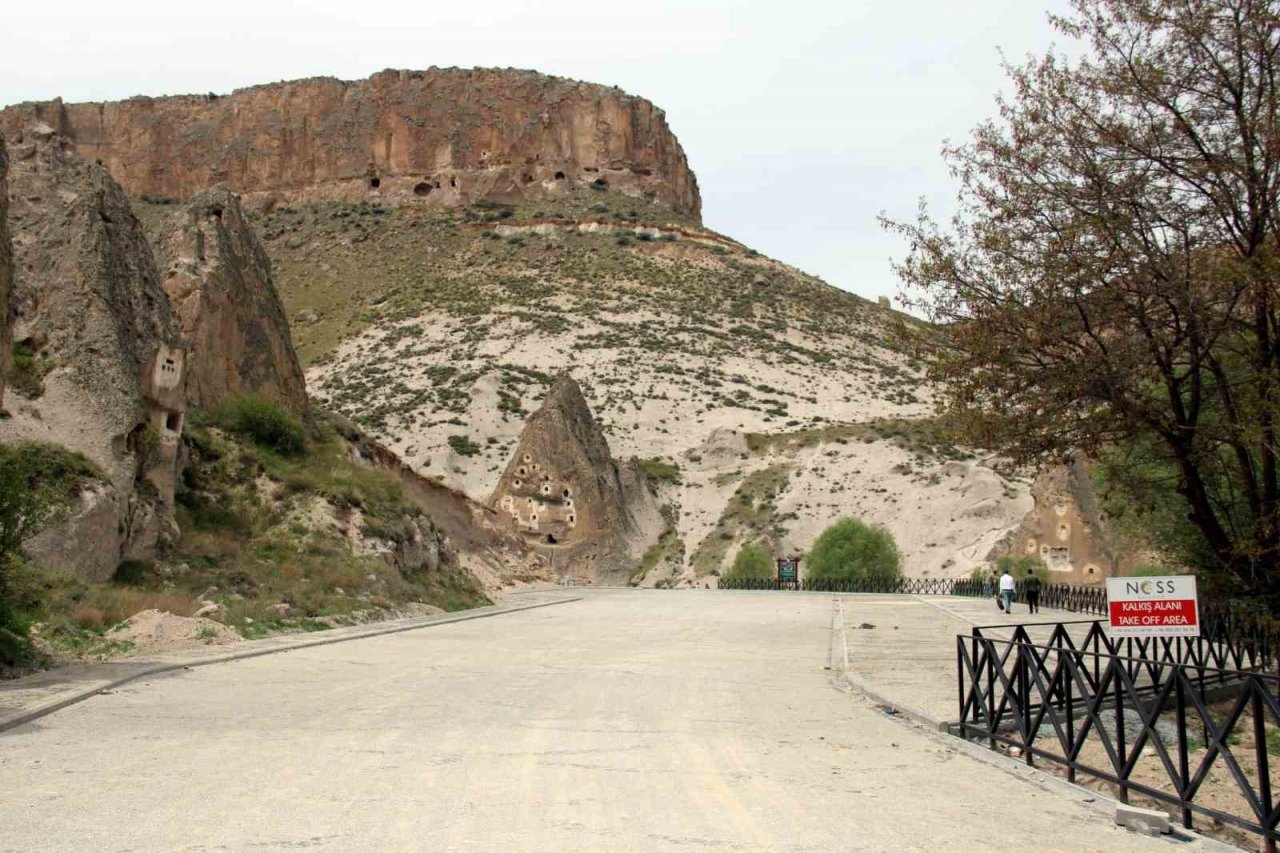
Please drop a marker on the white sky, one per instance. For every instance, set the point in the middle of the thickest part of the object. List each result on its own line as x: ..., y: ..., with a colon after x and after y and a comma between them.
x: 802, y: 119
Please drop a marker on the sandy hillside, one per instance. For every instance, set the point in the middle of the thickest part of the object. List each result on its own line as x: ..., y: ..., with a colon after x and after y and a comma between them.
x: 440, y: 329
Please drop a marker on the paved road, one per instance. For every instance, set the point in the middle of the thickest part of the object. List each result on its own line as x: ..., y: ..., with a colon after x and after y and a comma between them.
x: 904, y: 646
x: 630, y: 721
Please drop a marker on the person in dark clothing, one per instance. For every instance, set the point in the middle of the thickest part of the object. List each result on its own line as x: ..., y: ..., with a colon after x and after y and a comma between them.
x: 1031, y: 588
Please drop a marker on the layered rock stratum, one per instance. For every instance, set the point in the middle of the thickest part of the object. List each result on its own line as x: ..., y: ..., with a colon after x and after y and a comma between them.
x: 218, y: 280
x: 443, y: 135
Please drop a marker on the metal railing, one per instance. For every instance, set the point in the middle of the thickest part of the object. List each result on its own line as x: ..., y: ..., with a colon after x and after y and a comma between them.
x: 1106, y: 708
x: 1080, y: 599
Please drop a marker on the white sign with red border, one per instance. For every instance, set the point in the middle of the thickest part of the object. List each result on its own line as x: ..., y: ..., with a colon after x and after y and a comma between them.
x: 1153, y: 607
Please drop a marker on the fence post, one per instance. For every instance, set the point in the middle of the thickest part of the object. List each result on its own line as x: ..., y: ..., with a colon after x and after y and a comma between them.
x: 1260, y: 751
x: 1024, y: 687
x: 1069, y: 663
x: 1184, y: 764
x: 964, y: 706
x: 991, y: 692
x: 1124, y: 787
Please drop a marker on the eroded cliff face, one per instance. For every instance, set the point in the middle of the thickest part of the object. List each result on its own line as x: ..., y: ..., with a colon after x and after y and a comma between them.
x: 6, y: 271
x: 218, y: 280
x: 1067, y: 529
x: 102, y: 370
x: 563, y: 491
x: 443, y: 135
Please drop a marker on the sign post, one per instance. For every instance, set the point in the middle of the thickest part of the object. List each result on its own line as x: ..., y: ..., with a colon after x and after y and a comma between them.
x: 788, y: 571
x: 1153, y: 607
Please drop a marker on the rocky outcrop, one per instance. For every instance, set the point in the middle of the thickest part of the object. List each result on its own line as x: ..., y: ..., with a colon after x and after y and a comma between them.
x: 442, y: 135
x: 6, y: 271
x: 102, y: 370
x: 563, y: 491
x: 1066, y: 528
x: 218, y: 279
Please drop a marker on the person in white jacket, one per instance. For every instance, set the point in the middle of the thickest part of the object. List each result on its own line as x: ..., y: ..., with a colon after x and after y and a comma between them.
x: 1008, y: 586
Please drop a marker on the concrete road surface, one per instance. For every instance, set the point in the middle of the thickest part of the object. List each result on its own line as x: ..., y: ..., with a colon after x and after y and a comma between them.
x: 630, y: 721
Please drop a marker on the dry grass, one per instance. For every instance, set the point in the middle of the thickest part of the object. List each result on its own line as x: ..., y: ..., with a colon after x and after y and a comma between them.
x: 107, y: 605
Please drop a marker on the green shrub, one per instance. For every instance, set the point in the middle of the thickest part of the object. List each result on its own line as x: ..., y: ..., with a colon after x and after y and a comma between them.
x: 37, y: 482
x: 463, y: 445
x: 1022, y: 567
x: 856, y: 551
x: 26, y: 372
x: 658, y: 471
x: 265, y: 423
x: 752, y: 562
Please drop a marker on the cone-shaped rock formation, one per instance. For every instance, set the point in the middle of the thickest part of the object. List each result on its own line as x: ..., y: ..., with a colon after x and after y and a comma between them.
x: 102, y: 370
x: 563, y: 490
x: 218, y: 279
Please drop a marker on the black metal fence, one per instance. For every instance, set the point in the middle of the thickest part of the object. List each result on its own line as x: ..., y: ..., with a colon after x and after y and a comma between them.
x: 1079, y: 599
x: 1150, y: 716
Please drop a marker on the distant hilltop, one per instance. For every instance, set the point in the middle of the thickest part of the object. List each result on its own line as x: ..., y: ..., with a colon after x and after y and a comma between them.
x: 445, y: 135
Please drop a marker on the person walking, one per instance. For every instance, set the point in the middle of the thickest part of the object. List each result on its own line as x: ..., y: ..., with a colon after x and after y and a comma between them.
x: 1007, y: 588
x: 1031, y: 588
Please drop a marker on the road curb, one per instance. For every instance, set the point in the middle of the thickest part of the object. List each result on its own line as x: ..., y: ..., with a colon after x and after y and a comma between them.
x: 27, y: 715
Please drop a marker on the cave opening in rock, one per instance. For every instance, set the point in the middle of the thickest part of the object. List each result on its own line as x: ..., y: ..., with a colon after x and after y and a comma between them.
x: 422, y: 188
x: 374, y: 183
x: 173, y: 422
x: 217, y: 213
x: 551, y: 540
x: 559, y: 176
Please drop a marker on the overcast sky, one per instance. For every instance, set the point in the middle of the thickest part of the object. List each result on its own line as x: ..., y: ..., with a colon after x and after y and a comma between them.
x: 803, y: 119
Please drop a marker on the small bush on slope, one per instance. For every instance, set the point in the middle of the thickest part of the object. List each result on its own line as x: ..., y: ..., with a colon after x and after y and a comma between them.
x: 853, y: 550
x: 265, y: 423
x: 37, y: 482
x: 752, y: 562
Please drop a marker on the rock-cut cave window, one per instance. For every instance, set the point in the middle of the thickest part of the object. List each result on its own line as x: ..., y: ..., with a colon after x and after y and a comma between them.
x: 374, y: 183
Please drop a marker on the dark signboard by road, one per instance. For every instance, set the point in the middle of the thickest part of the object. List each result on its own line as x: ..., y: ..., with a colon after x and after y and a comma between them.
x: 788, y: 570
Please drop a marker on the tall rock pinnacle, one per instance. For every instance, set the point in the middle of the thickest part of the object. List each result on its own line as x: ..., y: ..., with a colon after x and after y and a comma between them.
x: 218, y: 279
x: 103, y: 369
x: 563, y: 490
